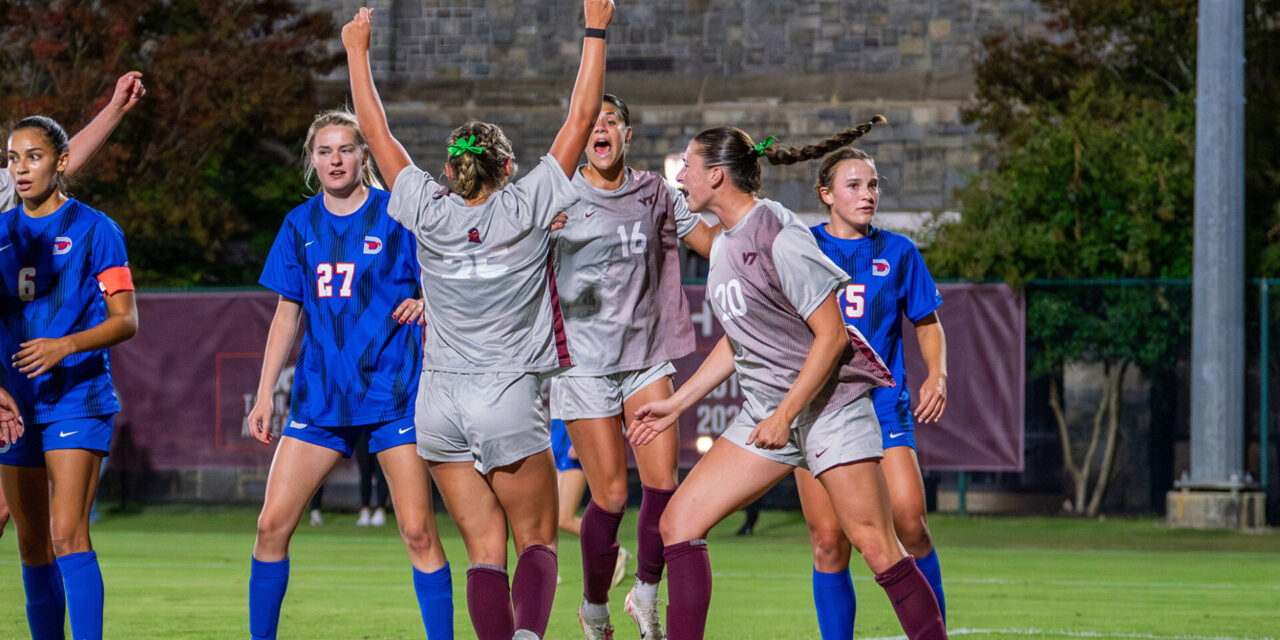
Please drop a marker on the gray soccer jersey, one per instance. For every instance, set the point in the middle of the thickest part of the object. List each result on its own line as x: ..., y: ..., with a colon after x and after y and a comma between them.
x: 767, y: 276
x: 6, y: 191
x: 618, y: 275
x: 486, y: 272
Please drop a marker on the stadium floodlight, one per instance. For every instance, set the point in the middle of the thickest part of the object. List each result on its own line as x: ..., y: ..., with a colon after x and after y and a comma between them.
x: 671, y: 167
x: 703, y: 444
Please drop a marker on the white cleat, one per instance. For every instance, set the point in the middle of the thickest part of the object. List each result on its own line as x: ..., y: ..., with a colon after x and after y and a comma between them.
x: 316, y: 518
x: 620, y: 568
x: 363, y: 520
x: 592, y: 628
x: 525, y: 634
x: 379, y: 517
x: 646, y: 616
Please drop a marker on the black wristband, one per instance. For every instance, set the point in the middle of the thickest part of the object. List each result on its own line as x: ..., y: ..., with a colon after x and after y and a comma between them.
x: 594, y: 33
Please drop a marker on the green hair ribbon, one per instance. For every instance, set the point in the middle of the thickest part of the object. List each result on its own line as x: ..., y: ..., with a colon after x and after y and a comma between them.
x: 463, y: 145
x: 768, y: 142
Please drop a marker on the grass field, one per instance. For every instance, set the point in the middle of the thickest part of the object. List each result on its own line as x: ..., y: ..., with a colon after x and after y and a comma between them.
x: 182, y: 572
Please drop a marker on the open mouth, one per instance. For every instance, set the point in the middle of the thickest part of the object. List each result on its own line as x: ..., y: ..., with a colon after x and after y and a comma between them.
x: 22, y: 185
x: 602, y: 148
x: 337, y: 174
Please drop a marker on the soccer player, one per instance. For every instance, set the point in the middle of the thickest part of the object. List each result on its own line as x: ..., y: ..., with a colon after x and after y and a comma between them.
x: 805, y: 377
x: 351, y: 269
x: 66, y: 296
x: 618, y: 276
x: 493, y: 328
x: 889, y: 280
x: 572, y: 485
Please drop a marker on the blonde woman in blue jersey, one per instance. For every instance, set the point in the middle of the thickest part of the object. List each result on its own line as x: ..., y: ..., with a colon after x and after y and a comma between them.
x: 66, y: 294
x: 340, y: 260
x: 618, y: 276
x: 493, y: 330
x: 888, y: 280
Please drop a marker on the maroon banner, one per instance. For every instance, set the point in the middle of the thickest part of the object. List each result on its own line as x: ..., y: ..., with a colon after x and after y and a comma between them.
x: 187, y: 381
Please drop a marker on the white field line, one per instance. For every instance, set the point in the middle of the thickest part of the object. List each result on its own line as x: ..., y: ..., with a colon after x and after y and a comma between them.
x: 1076, y: 634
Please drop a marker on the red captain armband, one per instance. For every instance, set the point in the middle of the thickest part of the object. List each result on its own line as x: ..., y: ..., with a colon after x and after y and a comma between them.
x: 115, y: 280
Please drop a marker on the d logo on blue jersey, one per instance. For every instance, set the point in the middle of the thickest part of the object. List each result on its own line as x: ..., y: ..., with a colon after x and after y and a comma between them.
x: 372, y: 245
x: 61, y: 245
x: 880, y: 267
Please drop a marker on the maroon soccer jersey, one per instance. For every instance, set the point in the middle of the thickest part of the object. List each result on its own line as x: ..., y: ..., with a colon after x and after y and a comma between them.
x: 767, y: 276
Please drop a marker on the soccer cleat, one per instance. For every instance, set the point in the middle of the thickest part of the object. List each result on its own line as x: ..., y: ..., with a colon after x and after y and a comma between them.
x: 316, y: 519
x: 594, y: 629
x: 620, y: 568
x: 646, y: 616
x: 525, y: 634
x: 363, y: 520
x: 379, y: 517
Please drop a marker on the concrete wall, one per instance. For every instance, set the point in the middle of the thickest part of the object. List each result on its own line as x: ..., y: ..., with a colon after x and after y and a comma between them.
x: 797, y: 69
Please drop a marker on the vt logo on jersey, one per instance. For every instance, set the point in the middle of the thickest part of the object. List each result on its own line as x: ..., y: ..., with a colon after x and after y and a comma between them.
x: 61, y: 245
x: 880, y: 267
x: 750, y: 257
x: 473, y: 235
x: 372, y: 245
x: 649, y: 199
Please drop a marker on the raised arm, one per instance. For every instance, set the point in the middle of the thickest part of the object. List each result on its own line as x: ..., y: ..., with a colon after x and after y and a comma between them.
x: 387, y: 151
x: 128, y: 91
x: 588, y: 89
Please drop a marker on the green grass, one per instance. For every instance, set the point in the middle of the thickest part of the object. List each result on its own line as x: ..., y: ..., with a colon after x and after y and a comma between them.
x: 182, y: 572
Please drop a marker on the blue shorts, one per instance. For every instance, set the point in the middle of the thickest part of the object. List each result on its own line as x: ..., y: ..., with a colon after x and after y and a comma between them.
x: 382, y: 436
x: 893, y: 409
x: 92, y: 433
x: 560, y: 447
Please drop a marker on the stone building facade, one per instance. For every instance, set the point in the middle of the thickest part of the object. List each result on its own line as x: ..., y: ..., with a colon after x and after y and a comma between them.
x: 797, y: 69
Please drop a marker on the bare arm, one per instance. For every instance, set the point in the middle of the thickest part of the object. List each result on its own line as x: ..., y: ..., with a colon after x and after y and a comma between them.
x: 701, y: 237
x: 933, y: 349
x: 284, y: 328
x: 42, y: 354
x: 387, y: 151
x: 588, y: 91
x: 656, y: 417
x: 128, y: 91
x: 830, y: 339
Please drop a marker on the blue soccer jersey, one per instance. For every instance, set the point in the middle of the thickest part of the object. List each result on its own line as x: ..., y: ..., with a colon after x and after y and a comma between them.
x: 357, y: 364
x: 50, y: 268
x: 888, y: 279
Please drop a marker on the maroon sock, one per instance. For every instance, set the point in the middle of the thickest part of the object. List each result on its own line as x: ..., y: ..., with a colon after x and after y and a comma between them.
x: 599, y: 534
x: 689, y: 587
x: 534, y: 588
x: 489, y: 602
x: 913, y: 601
x: 648, y: 539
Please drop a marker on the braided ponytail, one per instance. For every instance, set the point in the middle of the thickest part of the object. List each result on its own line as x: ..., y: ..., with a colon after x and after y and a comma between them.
x: 733, y: 149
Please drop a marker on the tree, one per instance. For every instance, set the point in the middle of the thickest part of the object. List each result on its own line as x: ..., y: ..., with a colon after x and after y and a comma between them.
x: 201, y: 173
x: 1089, y: 175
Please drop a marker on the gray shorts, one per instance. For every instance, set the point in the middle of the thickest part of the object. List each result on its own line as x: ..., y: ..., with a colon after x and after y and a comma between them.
x: 848, y: 434
x: 581, y: 397
x: 489, y: 419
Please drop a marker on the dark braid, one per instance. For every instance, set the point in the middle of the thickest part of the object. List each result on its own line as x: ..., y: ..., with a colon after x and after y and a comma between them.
x: 792, y: 155
x: 733, y: 149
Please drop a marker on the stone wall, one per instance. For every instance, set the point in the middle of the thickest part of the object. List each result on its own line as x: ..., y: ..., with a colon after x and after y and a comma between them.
x: 797, y: 69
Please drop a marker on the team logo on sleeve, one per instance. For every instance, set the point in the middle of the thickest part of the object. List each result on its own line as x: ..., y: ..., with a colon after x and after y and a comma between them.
x: 880, y: 267
x: 473, y: 235
x: 749, y: 257
x: 372, y: 245
x: 61, y: 245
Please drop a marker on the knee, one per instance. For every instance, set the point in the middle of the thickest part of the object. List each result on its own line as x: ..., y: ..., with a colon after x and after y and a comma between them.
x: 914, y: 534
x: 831, y: 549
x: 418, y: 540
x: 273, y: 531
x: 69, y: 537
x: 614, y: 496
x: 669, y: 526
x: 35, y: 551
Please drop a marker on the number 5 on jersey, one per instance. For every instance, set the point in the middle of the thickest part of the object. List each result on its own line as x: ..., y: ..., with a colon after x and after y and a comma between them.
x: 324, y: 279
x: 854, y: 303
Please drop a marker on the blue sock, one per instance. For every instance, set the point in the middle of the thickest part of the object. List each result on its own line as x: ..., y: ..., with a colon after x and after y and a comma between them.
x: 833, y: 597
x: 932, y: 571
x: 46, y: 602
x: 82, y: 581
x: 435, y: 599
x: 267, y: 582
